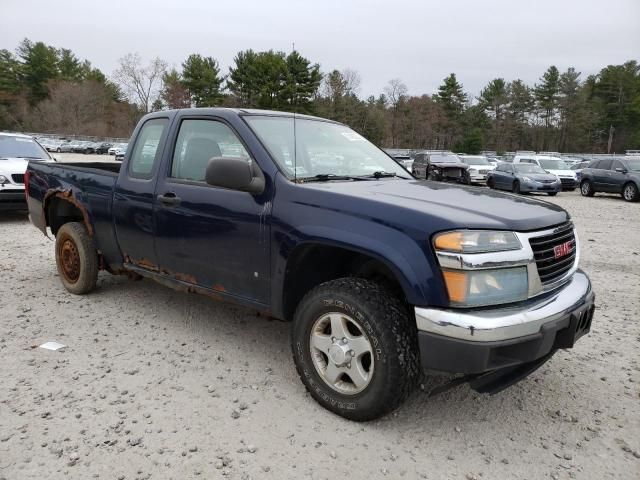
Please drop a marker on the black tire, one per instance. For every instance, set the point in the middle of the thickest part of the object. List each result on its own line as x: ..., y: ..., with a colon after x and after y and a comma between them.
x: 76, y: 258
x: 586, y: 189
x: 630, y: 192
x: 58, y: 150
x: 491, y: 184
x: 515, y: 188
x: 387, y: 325
x: 552, y: 194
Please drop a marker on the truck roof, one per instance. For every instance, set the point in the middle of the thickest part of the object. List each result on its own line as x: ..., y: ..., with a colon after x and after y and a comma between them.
x: 242, y: 111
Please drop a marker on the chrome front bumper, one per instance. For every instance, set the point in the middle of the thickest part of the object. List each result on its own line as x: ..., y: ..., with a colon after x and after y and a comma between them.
x: 507, y: 323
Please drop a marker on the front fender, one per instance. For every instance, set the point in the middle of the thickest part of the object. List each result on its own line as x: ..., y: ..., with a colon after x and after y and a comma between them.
x: 409, y: 260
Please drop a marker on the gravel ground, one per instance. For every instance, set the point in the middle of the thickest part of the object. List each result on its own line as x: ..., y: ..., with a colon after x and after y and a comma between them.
x: 160, y: 384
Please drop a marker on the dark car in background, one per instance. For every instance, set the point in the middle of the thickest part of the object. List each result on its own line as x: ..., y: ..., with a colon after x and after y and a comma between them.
x: 102, y: 147
x: 612, y: 175
x: 523, y: 178
x: 441, y: 167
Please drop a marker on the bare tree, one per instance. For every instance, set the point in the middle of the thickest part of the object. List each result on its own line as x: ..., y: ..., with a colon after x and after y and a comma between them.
x: 141, y: 83
x: 396, y: 92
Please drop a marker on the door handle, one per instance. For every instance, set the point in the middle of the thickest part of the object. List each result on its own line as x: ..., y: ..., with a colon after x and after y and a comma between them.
x: 169, y: 198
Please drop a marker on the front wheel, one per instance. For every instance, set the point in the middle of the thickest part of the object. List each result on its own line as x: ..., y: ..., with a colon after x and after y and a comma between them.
x: 630, y: 192
x: 586, y: 188
x: 515, y: 188
x: 552, y: 194
x: 355, y: 348
x: 491, y: 184
x: 76, y: 258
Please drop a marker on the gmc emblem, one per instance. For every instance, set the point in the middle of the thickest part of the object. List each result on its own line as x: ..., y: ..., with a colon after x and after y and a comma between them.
x: 562, y: 249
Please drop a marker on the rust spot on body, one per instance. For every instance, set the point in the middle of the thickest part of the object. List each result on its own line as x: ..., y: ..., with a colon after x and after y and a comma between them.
x: 219, y: 288
x: 67, y: 196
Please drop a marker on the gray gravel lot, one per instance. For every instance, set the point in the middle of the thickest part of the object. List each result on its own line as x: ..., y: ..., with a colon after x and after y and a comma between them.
x: 160, y: 384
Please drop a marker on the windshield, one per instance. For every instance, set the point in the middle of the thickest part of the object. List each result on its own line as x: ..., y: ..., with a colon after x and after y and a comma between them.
x: 21, y: 147
x: 475, y: 161
x: 450, y: 158
x: 634, y: 164
x: 528, y: 168
x: 322, y: 148
x: 553, y: 164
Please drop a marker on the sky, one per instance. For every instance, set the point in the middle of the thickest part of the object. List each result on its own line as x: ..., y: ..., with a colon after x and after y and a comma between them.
x: 420, y: 42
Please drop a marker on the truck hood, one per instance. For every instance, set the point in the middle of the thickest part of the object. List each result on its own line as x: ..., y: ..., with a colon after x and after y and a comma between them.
x: 9, y: 166
x: 424, y: 204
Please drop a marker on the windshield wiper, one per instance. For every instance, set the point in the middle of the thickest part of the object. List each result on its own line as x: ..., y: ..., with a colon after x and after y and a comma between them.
x: 383, y: 174
x: 326, y: 177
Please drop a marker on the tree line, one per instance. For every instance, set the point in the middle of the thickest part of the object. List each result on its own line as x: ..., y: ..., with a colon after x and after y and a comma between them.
x: 49, y: 89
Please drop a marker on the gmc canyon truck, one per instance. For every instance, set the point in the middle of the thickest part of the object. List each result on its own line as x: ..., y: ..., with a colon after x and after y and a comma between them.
x: 383, y: 276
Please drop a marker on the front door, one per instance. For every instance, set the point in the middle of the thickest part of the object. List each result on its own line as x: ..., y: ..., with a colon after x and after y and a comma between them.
x: 210, y: 236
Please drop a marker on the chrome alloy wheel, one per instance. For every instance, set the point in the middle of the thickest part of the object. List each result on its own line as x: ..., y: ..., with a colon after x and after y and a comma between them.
x: 341, y: 353
x: 629, y: 192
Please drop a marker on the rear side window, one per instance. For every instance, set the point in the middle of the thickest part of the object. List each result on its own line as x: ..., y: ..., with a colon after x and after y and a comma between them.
x: 604, y: 164
x: 616, y: 164
x: 198, y: 142
x: 146, y: 150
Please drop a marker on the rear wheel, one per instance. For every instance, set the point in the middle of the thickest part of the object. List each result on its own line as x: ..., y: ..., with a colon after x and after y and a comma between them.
x: 630, y: 192
x: 552, y: 194
x: 355, y: 348
x: 586, y: 188
x: 76, y: 258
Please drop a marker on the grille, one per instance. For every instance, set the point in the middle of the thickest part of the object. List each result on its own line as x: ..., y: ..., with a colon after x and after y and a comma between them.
x: 567, y: 181
x: 18, y: 177
x: 547, y: 181
x: 551, y: 268
x: 483, y: 171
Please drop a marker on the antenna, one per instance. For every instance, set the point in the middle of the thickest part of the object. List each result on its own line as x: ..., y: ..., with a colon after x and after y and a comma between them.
x: 295, y: 141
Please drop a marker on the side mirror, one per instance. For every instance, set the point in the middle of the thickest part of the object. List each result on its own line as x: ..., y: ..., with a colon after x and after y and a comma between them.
x: 621, y: 170
x: 235, y: 173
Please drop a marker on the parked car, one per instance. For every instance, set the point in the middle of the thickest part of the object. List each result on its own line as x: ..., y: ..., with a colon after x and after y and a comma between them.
x: 619, y: 175
x: 441, y: 166
x: 83, y: 147
x: 523, y: 178
x: 116, y: 146
x: 577, y: 167
x: 479, y: 167
x: 50, y: 144
x: 66, y: 146
x: 120, y: 152
x: 102, y: 147
x: 381, y: 275
x: 553, y: 165
x: 16, y: 150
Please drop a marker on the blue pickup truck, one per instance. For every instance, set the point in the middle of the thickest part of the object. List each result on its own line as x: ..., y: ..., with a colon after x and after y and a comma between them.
x: 383, y: 276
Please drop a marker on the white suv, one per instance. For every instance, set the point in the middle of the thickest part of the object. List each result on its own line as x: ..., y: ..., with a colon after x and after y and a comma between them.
x: 15, y: 152
x: 551, y: 164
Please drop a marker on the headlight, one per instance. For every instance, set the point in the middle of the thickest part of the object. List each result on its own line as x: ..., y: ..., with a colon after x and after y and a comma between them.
x: 472, y: 288
x: 476, y: 241
x: 527, y: 179
x: 471, y: 284
x: 3, y: 179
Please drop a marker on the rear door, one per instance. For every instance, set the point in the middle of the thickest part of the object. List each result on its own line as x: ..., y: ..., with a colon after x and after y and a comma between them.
x: 213, y: 237
x: 133, y: 199
x: 616, y: 179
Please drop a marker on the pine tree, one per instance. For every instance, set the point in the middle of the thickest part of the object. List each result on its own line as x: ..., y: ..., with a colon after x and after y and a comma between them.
x: 201, y: 78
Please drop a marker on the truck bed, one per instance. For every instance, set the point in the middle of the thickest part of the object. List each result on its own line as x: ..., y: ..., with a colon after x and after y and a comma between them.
x: 88, y: 185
